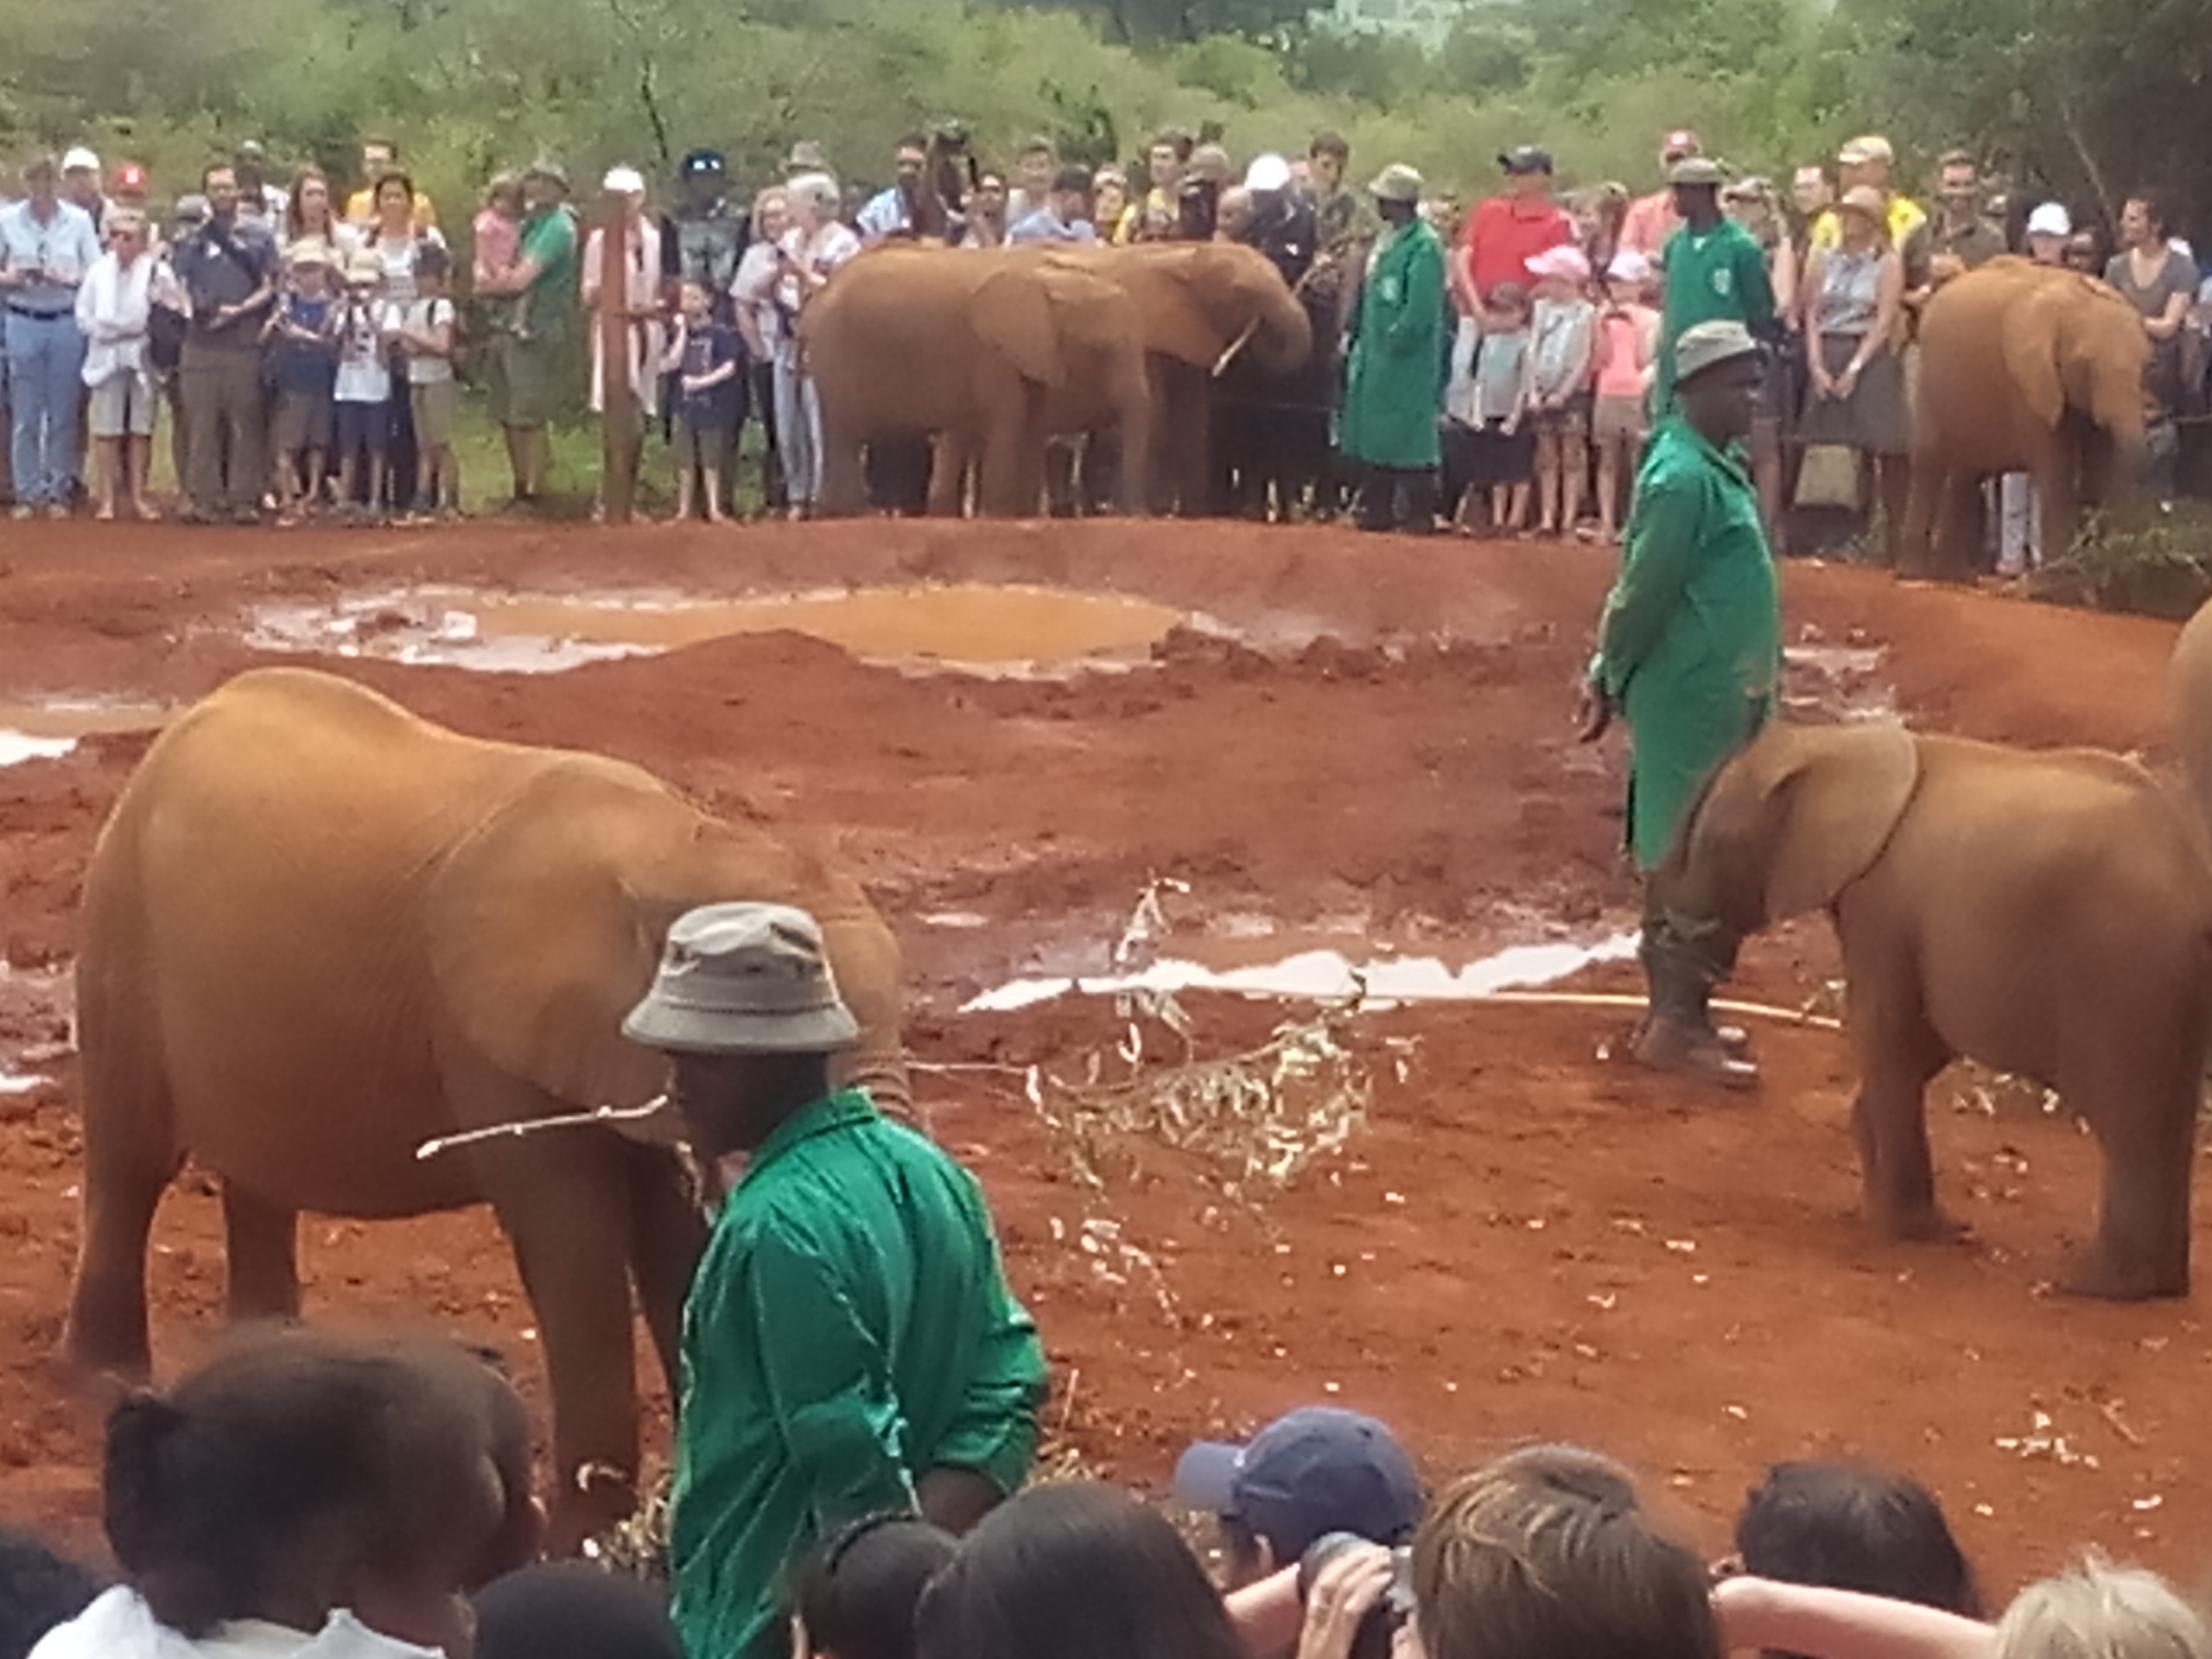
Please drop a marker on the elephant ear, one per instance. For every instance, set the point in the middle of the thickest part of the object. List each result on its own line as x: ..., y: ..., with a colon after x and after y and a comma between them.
x: 1179, y: 320
x: 543, y: 935
x: 1013, y: 314
x: 2030, y: 345
x: 1841, y: 790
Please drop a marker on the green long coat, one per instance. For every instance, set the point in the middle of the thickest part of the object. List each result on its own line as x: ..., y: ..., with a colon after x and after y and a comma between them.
x: 1690, y: 647
x: 1392, y: 392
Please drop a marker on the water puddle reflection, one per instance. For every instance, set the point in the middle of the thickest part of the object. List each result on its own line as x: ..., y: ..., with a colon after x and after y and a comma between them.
x: 1328, y: 975
x: 973, y: 627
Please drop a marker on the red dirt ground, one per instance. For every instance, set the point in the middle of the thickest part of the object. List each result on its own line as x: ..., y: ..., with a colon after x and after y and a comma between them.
x: 1524, y: 1240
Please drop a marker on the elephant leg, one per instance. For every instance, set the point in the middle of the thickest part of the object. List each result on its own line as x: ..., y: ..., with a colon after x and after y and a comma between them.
x: 1899, y: 1054
x: 843, y: 486
x: 949, y: 464
x: 1959, y: 507
x: 107, y: 1308
x: 2146, y: 1130
x: 130, y: 1157
x: 564, y: 1200
x: 2058, y: 495
x: 667, y: 1235
x: 261, y: 1253
x: 1011, y: 462
x: 1133, y: 441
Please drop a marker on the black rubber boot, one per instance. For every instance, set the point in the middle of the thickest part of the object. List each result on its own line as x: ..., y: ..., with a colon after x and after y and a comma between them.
x: 1678, y: 1034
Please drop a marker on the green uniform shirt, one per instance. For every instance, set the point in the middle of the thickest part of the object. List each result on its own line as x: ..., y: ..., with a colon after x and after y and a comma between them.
x: 1690, y: 646
x: 1715, y: 275
x: 849, y: 1329
x: 549, y: 238
x: 1393, y: 382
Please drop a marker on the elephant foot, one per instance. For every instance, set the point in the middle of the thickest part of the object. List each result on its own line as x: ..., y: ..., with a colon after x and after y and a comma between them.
x: 1699, y: 1053
x: 2094, y: 1271
x: 1922, y: 1223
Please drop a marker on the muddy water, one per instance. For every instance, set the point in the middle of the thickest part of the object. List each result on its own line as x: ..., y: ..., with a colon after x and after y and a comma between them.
x: 971, y: 626
x: 43, y: 731
x: 1329, y: 975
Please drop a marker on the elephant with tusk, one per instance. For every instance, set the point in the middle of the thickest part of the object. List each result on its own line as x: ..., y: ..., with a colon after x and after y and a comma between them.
x: 319, y: 932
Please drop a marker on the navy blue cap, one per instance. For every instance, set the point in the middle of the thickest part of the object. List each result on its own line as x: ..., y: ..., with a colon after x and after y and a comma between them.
x: 702, y: 160
x: 1316, y: 1469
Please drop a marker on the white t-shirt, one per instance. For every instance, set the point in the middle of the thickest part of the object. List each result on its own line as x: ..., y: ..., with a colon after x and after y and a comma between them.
x: 421, y: 318
x: 119, y: 1625
x: 364, y: 372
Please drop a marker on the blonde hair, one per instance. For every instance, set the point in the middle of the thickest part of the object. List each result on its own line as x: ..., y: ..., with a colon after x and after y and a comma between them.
x: 817, y: 190
x: 1544, y: 1552
x: 2097, y: 1610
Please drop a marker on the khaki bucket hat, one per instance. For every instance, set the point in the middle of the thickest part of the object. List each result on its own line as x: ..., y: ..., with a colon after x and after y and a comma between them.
x: 743, y: 978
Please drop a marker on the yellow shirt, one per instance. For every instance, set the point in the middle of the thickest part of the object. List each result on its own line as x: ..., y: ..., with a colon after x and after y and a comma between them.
x: 361, y: 207
x: 1906, y: 216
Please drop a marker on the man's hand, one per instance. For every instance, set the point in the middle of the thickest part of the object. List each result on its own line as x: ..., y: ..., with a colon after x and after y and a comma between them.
x: 1593, y: 713
x: 1348, y: 1584
x: 956, y: 1499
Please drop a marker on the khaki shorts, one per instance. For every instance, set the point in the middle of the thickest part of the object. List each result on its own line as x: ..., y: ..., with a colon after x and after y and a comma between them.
x: 1619, y: 420
x: 121, y: 406
x: 433, y: 402
x: 303, y: 422
x: 524, y: 379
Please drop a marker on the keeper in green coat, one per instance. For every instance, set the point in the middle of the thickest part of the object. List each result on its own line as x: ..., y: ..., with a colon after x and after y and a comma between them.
x: 1393, y: 380
x: 849, y: 1344
x: 1690, y: 649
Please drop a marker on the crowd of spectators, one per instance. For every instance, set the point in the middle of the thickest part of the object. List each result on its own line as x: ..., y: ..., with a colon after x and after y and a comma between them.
x: 307, y: 351
x: 311, y: 1496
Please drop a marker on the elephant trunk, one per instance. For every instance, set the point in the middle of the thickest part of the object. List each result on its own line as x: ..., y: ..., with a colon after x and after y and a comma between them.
x: 1284, y: 338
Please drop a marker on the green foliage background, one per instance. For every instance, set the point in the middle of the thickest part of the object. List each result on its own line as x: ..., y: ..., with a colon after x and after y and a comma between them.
x: 2083, y: 98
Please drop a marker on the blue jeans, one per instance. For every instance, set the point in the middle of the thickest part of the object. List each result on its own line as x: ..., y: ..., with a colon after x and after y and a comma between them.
x: 45, y: 360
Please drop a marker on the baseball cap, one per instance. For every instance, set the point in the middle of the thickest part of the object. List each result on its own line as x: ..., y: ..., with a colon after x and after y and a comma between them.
x: 1871, y: 148
x: 129, y: 177
x: 1525, y: 158
x: 1678, y: 143
x: 2051, y: 219
x: 1566, y: 261
x: 624, y: 180
x: 80, y: 157
x: 1316, y: 1469
x: 702, y: 160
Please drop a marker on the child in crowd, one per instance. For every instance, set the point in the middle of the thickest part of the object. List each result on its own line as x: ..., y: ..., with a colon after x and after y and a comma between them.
x: 1504, y: 451
x: 1563, y: 344
x: 362, y: 388
x: 1628, y: 343
x: 302, y: 336
x: 425, y: 329
x: 305, y: 1496
x: 858, y: 1589
x: 702, y: 354
x: 497, y: 233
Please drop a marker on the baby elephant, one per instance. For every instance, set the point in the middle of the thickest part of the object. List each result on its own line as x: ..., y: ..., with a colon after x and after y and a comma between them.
x: 2047, y: 913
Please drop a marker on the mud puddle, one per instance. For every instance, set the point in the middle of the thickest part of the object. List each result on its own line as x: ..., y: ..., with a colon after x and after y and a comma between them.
x: 1837, y: 682
x: 1242, y: 966
x: 973, y: 627
x: 45, y: 731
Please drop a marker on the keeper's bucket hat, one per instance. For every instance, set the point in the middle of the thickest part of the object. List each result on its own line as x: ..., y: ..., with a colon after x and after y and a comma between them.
x: 743, y: 978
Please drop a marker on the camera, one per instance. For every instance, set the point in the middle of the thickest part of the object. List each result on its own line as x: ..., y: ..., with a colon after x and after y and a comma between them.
x: 1391, y: 1609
